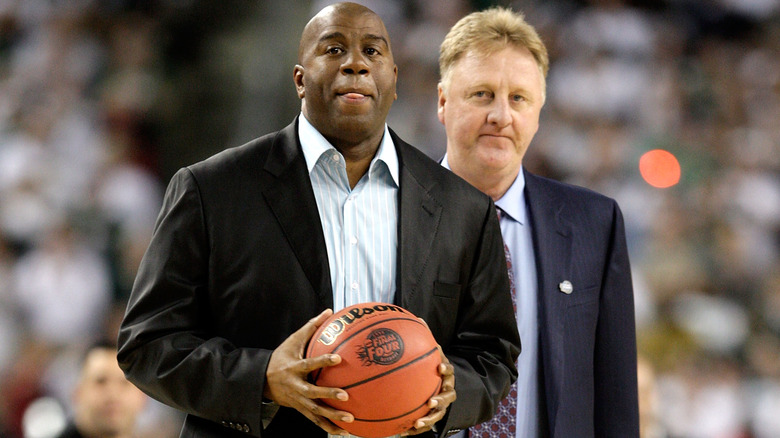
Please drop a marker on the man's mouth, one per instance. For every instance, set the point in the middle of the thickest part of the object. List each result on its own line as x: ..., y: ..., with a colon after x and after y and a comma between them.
x: 353, y: 97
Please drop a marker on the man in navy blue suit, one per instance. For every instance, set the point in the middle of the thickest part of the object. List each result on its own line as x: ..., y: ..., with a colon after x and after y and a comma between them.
x: 567, y: 247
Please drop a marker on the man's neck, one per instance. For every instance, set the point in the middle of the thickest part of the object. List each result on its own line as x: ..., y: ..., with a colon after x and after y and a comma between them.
x: 494, y: 185
x: 358, y: 156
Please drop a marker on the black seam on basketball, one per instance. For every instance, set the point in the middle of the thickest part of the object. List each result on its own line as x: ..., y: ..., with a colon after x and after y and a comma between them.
x: 419, y: 358
x: 379, y: 420
x: 362, y: 329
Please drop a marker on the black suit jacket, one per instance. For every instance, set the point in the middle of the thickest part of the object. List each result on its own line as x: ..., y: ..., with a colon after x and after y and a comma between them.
x: 238, y: 262
x: 587, y: 337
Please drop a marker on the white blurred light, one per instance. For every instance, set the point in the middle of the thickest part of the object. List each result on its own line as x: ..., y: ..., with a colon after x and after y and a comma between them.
x: 44, y: 418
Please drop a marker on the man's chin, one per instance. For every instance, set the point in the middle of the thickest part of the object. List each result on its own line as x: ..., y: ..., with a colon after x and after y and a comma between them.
x: 110, y: 427
x: 496, y: 159
x: 358, y: 126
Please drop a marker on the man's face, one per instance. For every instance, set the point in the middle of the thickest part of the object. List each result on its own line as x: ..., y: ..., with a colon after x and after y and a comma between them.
x: 106, y: 404
x: 347, y: 75
x: 490, y: 110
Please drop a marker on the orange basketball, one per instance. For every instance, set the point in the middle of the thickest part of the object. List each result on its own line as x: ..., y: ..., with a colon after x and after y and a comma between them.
x: 389, y: 367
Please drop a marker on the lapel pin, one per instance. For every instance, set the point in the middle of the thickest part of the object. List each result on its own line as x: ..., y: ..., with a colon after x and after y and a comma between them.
x: 566, y: 287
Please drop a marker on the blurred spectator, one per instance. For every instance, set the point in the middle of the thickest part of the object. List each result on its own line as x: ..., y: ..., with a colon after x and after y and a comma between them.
x: 63, y: 289
x: 105, y: 404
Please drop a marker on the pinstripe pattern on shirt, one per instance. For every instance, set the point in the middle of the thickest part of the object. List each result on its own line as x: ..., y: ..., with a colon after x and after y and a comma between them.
x: 360, y: 225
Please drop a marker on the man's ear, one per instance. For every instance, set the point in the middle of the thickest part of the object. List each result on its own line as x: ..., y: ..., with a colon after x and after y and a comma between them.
x: 298, y: 79
x: 441, y: 102
x: 395, y: 81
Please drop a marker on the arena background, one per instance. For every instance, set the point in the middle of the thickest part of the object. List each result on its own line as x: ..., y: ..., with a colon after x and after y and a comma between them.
x: 101, y: 101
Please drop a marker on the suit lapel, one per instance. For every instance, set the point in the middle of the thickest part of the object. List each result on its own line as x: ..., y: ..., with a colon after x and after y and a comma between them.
x: 418, y: 219
x: 290, y: 196
x: 552, y: 248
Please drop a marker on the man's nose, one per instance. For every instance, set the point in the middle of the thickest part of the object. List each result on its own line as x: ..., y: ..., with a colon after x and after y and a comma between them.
x: 355, y: 63
x: 500, y: 113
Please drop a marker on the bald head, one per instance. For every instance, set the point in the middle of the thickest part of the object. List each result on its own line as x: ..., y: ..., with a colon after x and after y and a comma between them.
x: 344, y: 11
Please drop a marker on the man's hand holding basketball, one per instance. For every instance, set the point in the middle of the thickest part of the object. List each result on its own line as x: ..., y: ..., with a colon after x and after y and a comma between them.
x: 286, y: 381
x: 440, y: 402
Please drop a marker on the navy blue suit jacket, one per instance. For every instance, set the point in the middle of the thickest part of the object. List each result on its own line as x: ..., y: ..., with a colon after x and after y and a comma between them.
x: 587, y: 337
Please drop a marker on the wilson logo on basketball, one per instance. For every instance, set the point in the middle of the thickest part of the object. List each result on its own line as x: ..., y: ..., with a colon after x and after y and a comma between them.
x: 382, y: 347
x: 335, y: 328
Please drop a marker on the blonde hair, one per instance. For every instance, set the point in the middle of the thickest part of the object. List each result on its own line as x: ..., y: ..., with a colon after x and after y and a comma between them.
x: 488, y: 32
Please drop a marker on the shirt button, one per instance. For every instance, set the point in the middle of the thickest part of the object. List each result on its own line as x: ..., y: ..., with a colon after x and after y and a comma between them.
x: 353, y: 240
x: 354, y: 285
x: 336, y: 158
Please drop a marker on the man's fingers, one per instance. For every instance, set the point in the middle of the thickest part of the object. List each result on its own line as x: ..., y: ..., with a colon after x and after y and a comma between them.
x: 426, y: 423
x: 447, y: 372
x: 446, y: 369
x: 326, y: 360
x: 323, y: 410
x: 311, y: 392
x: 442, y: 399
x: 324, y: 423
x: 440, y: 402
x: 323, y: 415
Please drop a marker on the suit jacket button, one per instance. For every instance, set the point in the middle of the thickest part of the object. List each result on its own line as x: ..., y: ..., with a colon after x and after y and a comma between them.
x: 224, y: 423
x: 246, y: 428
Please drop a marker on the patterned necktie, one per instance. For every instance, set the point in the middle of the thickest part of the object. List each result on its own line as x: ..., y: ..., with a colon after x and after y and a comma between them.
x: 502, y: 425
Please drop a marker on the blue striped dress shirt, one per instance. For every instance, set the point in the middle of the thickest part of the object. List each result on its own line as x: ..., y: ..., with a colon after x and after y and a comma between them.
x: 361, y: 224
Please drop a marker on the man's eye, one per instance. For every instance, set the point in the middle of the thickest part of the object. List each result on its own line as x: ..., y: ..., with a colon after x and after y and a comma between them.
x: 333, y: 50
x: 481, y: 94
x: 371, y: 51
x: 518, y: 98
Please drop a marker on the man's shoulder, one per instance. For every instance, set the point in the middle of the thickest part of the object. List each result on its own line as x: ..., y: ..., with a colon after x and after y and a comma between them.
x: 579, y: 204
x: 249, y: 157
x: 564, y: 190
x: 228, y: 159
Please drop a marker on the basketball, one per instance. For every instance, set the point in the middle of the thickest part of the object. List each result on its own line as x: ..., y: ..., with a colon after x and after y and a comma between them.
x: 389, y: 367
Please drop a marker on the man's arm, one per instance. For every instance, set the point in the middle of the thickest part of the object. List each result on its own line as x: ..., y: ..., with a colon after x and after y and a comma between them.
x: 169, y: 348
x: 487, y: 343
x: 165, y: 347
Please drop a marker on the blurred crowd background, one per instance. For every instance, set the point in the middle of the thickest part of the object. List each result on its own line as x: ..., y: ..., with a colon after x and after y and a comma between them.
x: 101, y: 101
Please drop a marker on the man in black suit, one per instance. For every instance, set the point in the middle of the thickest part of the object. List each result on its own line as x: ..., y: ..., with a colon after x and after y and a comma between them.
x: 577, y: 373
x: 254, y: 244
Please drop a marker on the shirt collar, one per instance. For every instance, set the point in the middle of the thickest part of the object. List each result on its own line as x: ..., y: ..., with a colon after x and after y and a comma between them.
x: 513, y: 201
x: 314, y: 145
